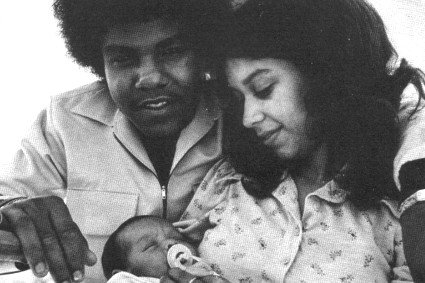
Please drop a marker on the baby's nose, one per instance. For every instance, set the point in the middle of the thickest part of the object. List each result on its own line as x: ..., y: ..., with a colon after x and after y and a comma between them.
x: 167, y: 244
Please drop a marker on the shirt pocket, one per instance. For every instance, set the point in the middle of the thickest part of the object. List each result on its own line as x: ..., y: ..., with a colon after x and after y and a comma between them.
x: 100, y: 213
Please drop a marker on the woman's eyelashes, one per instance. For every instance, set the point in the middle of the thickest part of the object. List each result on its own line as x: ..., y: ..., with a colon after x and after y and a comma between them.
x: 263, y: 92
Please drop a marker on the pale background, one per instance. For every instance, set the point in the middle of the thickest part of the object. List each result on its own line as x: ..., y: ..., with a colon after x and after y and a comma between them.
x: 34, y: 64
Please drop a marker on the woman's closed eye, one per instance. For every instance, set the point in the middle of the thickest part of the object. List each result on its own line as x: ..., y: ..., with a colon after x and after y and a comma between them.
x: 264, y: 92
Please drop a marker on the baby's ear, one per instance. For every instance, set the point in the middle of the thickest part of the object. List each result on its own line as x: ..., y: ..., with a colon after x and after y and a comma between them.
x: 115, y: 271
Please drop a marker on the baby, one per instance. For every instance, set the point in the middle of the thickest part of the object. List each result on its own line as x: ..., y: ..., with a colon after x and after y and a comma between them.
x: 143, y: 248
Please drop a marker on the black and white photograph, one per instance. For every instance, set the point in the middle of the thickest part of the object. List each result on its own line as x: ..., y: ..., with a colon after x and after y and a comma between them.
x: 212, y: 141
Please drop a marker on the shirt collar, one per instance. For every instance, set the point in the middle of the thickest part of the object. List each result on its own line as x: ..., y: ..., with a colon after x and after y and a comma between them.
x: 208, y: 111
x: 330, y: 192
x: 96, y: 103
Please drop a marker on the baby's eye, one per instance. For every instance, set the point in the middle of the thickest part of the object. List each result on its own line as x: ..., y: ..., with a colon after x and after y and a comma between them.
x: 149, y: 247
x: 264, y: 92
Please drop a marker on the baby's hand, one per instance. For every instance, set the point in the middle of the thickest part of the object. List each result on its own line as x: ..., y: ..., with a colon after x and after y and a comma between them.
x: 184, y: 224
x: 194, y: 228
x: 180, y: 276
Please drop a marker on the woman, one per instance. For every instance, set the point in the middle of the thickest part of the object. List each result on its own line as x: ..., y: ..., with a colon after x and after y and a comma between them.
x: 320, y: 89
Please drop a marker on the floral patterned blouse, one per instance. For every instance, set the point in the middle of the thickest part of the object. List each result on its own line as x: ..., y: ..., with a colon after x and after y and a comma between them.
x: 268, y: 240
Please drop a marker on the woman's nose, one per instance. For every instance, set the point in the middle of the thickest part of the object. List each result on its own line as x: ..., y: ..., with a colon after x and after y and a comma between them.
x: 149, y: 75
x: 252, y: 113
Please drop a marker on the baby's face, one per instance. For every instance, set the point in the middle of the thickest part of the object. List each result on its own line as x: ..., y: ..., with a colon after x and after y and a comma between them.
x: 146, y: 243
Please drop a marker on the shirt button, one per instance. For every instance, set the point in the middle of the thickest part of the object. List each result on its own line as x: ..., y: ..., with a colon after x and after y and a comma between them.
x: 297, y: 231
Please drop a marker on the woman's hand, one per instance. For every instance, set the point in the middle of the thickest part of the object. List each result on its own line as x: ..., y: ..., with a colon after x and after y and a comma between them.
x: 176, y: 275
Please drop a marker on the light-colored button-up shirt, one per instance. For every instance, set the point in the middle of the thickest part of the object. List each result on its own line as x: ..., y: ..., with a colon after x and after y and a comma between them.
x: 269, y: 240
x: 86, y: 151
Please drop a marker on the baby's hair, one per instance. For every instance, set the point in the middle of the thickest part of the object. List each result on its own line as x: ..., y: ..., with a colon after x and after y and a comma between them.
x: 113, y: 256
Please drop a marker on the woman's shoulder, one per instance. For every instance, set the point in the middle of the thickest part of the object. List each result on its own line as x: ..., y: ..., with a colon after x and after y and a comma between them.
x: 384, y: 218
x: 219, y: 182
x: 221, y: 174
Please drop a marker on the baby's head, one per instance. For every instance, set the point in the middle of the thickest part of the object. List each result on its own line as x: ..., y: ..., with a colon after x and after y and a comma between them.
x: 140, y: 246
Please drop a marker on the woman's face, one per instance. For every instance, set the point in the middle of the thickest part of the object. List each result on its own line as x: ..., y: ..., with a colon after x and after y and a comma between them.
x: 273, y: 92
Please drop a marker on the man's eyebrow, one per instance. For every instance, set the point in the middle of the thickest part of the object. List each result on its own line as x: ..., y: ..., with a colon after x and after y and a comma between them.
x: 178, y: 38
x: 257, y: 72
x: 115, y: 48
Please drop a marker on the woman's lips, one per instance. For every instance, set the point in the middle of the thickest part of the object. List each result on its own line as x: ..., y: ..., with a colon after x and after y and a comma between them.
x: 267, y: 136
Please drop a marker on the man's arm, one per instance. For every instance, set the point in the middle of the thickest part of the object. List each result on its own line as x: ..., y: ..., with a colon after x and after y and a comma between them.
x: 49, y: 238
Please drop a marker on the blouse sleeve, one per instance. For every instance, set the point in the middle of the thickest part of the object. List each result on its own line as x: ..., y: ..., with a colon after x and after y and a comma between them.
x: 401, y: 272
x: 212, y: 191
x: 412, y: 130
x: 389, y: 230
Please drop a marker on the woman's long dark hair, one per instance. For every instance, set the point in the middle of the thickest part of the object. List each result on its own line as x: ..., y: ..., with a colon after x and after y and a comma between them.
x: 342, y: 47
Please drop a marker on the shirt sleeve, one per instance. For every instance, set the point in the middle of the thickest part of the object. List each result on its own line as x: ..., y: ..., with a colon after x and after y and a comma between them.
x: 412, y: 130
x: 213, y: 190
x: 39, y: 167
x: 388, y: 230
x: 401, y: 272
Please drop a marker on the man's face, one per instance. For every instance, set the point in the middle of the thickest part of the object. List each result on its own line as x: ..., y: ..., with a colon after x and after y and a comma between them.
x: 151, y: 75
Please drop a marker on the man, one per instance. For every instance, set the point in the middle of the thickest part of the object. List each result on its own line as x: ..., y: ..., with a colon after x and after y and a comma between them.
x: 139, y: 141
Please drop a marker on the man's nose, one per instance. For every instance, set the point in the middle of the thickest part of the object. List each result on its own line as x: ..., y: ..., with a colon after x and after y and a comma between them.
x: 252, y: 113
x: 149, y: 75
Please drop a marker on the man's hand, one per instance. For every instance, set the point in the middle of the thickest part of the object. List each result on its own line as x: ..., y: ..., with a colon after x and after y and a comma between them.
x: 413, y: 227
x: 50, y: 240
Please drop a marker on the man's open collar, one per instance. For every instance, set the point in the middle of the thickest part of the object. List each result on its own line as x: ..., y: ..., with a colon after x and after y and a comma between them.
x: 208, y: 111
x: 96, y: 103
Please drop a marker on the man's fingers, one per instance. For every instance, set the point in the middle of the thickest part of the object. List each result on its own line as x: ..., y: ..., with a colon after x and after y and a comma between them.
x: 28, y: 237
x: 10, y: 247
x: 54, y: 255
x: 74, y: 244
x: 50, y: 239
